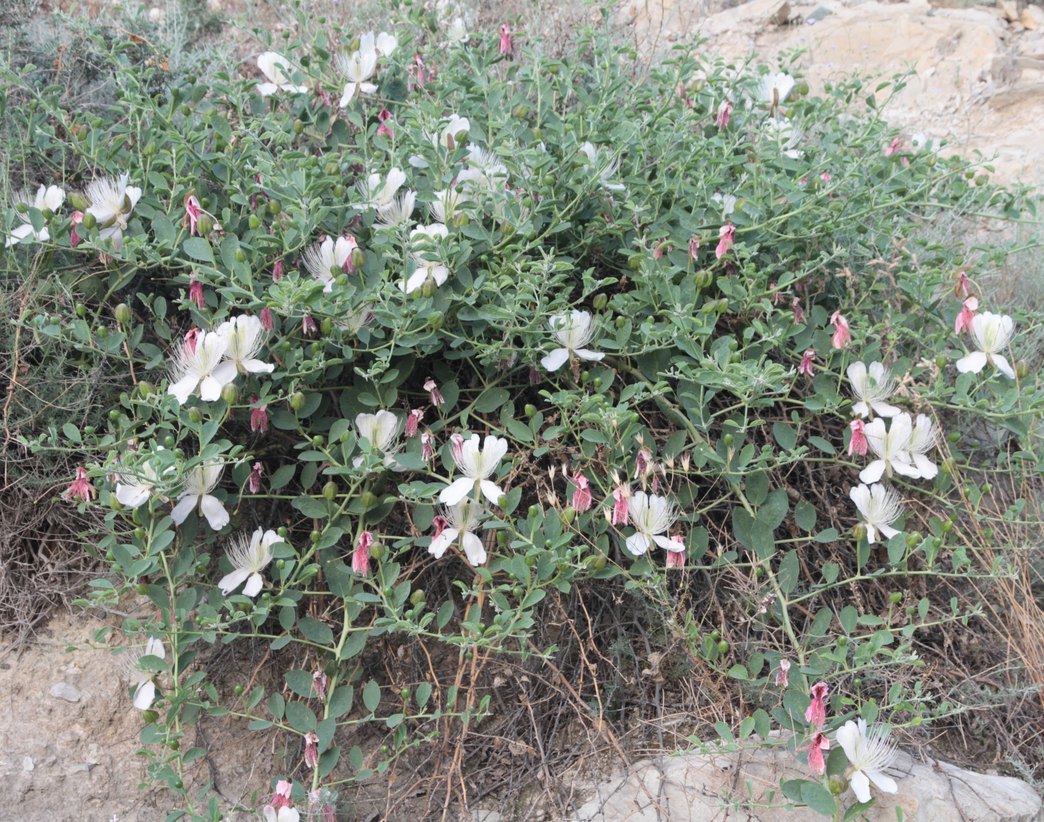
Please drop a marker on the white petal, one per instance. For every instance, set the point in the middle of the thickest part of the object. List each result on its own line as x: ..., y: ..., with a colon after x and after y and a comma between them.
x: 19, y: 233
x: 860, y: 786
x: 144, y: 695
x: 229, y: 582
x: 442, y: 542
x: 183, y: 388
x: 883, y: 409
x: 883, y: 781
x: 974, y: 362
x: 586, y: 354
x: 847, y: 738
x: 210, y: 388
x: 873, y: 472
x: 638, y: 544
x: 224, y: 373
x: 186, y: 505
x: 1003, y: 366
x: 491, y: 491
x: 871, y: 534
x: 132, y: 496
x: 415, y: 281
x: 861, y: 409
x: 349, y: 93
x: 257, y: 367
x: 556, y: 359
x: 925, y: 466
x: 887, y: 531
x: 456, y: 491
x: 907, y: 469
x: 474, y: 549
x: 666, y: 543
x: 860, y: 495
x: 254, y: 585
x: 214, y: 511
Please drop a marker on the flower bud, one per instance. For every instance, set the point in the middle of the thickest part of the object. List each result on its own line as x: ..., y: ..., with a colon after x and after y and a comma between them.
x: 1022, y: 369
x: 417, y: 597
x: 368, y: 499
x: 145, y: 388
x: 376, y: 551
x: 428, y: 289
x: 123, y: 314
x: 230, y: 394
x: 89, y: 220
x: 297, y: 401
x: 274, y: 207
x: 358, y: 258
x: 567, y: 516
x: 195, y: 415
x: 837, y: 785
x: 149, y: 716
x: 859, y: 531
x: 330, y: 491
x: 723, y: 647
x: 205, y: 224
x: 78, y: 201
x: 530, y: 410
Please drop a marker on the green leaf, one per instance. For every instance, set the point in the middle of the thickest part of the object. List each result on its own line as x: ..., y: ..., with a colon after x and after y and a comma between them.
x: 300, y: 682
x: 823, y: 445
x: 371, y: 696
x: 805, y: 515
x: 72, y: 433
x: 300, y: 717
x: 316, y: 631
x: 785, y: 436
x: 818, y: 799
x: 276, y: 705
x: 848, y: 618
x: 789, y: 571
x: 491, y: 399
x: 281, y: 476
x: 198, y: 249
x: 774, y: 510
x: 422, y: 694
x: 341, y: 701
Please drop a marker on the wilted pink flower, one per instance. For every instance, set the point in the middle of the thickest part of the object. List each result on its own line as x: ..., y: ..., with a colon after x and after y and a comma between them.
x: 841, y: 337
x: 506, y: 46
x: 311, y: 755
x: 433, y: 392
x: 726, y: 237
x: 80, y: 488
x: 427, y: 446
x: 582, y: 495
x: 894, y: 147
x: 193, y: 211
x: 806, y: 363
x: 320, y: 807
x: 676, y: 559
x: 267, y: 322
x: 190, y: 339
x: 694, y: 246
x: 196, y: 296
x: 383, y: 130
x: 825, y: 177
x: 277, y: 271
x: 857, y: 444
x: 724, y: 113
x: 76, y: 217
x: 661, y: 249
x: 413, y: 421
x: 962, y: 287
x: 361, y: 554
x: 966, y: 315
x: 418, y: 72
x: 319, y: 682
x: 308, y: 325
x: 816, y: 713
x: 439, y: 524
x: 783, y: 673
x: 643, y: 462
x: 259, y: 417
x: 817, y: 743
x: 254, y: 480
x: 281, y: 797
x: 456, y: 445
x: 620, y: 510
x: 799, y: 312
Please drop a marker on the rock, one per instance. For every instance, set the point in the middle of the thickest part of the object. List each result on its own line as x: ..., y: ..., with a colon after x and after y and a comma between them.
x: 1010, y: 9
x: 63, y: 690
x: 28, y: 765
x: 1032, y: 17
x: 697, y: 787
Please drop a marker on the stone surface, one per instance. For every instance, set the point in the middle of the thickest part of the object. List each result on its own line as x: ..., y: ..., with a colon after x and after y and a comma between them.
x: 63, y: 690
x: 696, y: 788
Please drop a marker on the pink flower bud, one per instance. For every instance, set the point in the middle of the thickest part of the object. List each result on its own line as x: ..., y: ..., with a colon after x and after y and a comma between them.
x: 309, y: 326
x: 694, y: 246
x: 383, y: 130
x: 676, y: 559
x: 621, y: 515
x: 319, y: 682
x: 278, y: 270
x: 361, y: 554
x: 254, y: 480
x: 281, y: 797
x: 962, y: 288
x: 427, y: 446
x: 806, y: 363
x: 894, y: 147
x: 857, y: 444
x: 841, y: 336
x: 726, y: 238
x: 80, y: 488
x: 190, y: 339
x: 817, y: 743
x: 783, y: 673
x: 966, y: 315
x: 456, y: 446
x: 433, y: 392
x: 439, y: 524
x: 643, y: 462
x: 196, y: 296
x: 193, y: 211
x: 76, y: 217
x: 259, y: 418
x: 506, y: 45
x: 311, y: 754
x: 825, y: 177
x: 265, y: 316
x: 724, y: 114
x: 413, y: 421
x: 816, y: 713
x: 799, y: 312
x: 582, y: 495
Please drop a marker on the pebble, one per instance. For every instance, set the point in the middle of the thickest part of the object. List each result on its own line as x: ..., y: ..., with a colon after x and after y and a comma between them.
x: 63, y: 690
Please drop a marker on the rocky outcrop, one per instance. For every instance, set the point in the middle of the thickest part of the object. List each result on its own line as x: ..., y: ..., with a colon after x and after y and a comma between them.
x: 745, y: 786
